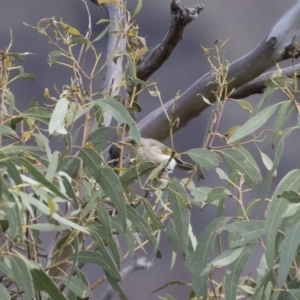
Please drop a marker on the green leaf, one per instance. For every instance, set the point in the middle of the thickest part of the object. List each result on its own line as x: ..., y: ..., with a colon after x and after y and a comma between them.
x: 137, y: 8
x: 42, y: 282
x: 115, y: 286
x: 253, y: 124
x: 223, y: 260
x: 135, y: 172
x: 277, y: 206
x: 70, y: 29
x: 54, y: 55
x: 76, y: 285
x: 38, y: 176
x: 57, y: 120
x: 52, y: 167
x: 270, y: 175
x: 69, y: 189
x: 36, y: 113
x: 4, y: 294
x: 7, y: 131
x: 245, y: 105
x: 291, y: 196
x: 91, y: 161
x: 120, y: 114
x: 106, y: 228
x: 196, y: 263
x: 46, y: 210
x: 289, y: 248
x: 240, y: 159
x: 140, y: 223
x: 102, y: 34
x: 22, y: 276
x: 266, y: 160
x: 217, y: 194
x: 180, y: 217
x: 156, y: 222
x: 101, y: 259
x: 204, y: 158
x: 283, y: 116
x: 234, y: 271
x: 111, y: 185
x: 279, y: 81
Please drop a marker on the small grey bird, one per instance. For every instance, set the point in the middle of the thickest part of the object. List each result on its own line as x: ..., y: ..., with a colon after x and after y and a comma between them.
x: 155, y: 152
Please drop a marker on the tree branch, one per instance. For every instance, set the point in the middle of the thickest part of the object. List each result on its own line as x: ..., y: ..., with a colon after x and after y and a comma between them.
x: 180, y: 17
x: 272, y: 49
x: 258, y: 85
x: 116, y: 44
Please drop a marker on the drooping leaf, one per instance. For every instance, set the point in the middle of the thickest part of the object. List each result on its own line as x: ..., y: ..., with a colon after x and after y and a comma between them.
x: 57, y: 120
x: 277, y: 206
x: 42, y: 282
x: 22, y: 276
x: 4, y: 294
x: 106, y: 227
x: 140, y: 223
x: 196, y: 263
x: 180, y: 217
x: 234, y: 271
x: 289, y: 248
x: 270, y: 175
x: 111, y: 185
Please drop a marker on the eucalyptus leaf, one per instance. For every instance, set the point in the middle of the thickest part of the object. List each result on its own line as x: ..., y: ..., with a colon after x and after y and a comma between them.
x: 253, y: 124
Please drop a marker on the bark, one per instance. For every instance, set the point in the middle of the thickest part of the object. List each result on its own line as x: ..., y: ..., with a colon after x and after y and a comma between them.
x: 272, y: 49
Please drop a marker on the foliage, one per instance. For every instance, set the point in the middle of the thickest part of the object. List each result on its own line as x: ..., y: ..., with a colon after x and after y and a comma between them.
x: 73, y: 192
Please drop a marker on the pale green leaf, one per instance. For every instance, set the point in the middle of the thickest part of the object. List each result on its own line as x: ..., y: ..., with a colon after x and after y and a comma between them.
x: 57, y: 120
x: 253, y: 124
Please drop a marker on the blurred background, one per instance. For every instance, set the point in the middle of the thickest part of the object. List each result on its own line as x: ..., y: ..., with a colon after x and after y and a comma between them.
x: 243, y: 22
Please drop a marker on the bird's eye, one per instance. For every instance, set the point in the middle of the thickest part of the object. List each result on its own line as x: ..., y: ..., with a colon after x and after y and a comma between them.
x: 133, y: 142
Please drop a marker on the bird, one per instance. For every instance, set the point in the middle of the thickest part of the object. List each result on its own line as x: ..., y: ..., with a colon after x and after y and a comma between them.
x: 154, y: 151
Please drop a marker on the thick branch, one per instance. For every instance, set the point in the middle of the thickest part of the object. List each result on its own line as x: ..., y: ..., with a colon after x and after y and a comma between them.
x: 258, y: 85
x: 271, y: 50
x: 180, y: 17
x: 116, y: 44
